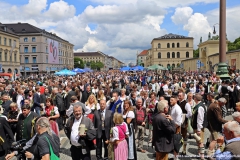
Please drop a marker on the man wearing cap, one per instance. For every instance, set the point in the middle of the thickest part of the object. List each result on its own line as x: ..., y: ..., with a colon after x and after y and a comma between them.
x: 215, y: 121
x: 25, y: 123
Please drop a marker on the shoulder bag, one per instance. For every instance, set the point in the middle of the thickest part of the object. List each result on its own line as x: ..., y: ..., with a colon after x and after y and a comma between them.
x: 53, y: 156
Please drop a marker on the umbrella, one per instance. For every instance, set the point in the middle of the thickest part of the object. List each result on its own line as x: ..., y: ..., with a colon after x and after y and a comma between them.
x: 125, y: 69
x: 65, y: 72
x: 137, y: 68
x: 156, y: 67
x: 78, y: 70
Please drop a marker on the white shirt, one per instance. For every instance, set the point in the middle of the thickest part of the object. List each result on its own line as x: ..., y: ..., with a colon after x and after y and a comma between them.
x: 19, y: 99
x: 192, y: 90
x: 200, y: 118
x: 165, y: 89
x: 75, y: 133
x: 129, y: 114
x: 116, y: 133
x: 176, y: 114
x: 89, y: 109
x: 188, y: 108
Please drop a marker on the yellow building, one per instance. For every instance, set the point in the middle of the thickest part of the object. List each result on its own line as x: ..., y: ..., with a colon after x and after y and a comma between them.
x: 169, y: 50
x: 208, y: 56
x: 9, y: 50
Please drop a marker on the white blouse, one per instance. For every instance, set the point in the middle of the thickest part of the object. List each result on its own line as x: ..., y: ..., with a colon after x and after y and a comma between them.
x: 116, y: 133
x: 89, y: 108
x: 130, y: 114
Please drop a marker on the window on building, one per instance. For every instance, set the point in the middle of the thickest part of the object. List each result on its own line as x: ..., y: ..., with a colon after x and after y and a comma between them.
x: 178, y: 45
x: 5, y: 41
x: 187, y: 54
x: 15, y: 57
x: 168, y: 55
x: 159, y: 55
x: 10, y: 42
x: 33, y: 49
x: 33, y: 39
x: 173, y: 45
x: 46, y: 59
x: 46, y: 49
x: 34, y: 59
x: 10, y: 58
x: 6, y: 56
x: 173, y: 54
x: 26, y: 60
x: 178, y: 55
x: 25, y: 49
x: 159, y: 45
x: 168, y: 45
x: 0, y: 56
x: 168, y: 66
x: 25, y: 39
x: 187, y: 44
x: 0, y: 40
x: 173, y: 65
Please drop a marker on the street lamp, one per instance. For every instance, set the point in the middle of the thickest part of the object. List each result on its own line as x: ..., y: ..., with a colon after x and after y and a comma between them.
x: 222, y: 71
x: 214, y: 29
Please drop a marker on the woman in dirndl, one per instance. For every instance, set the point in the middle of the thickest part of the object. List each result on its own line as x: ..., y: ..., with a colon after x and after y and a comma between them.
x: 91, y: 105
x: 51, y: 112
x: 120, y: 132
x: 129, y: 118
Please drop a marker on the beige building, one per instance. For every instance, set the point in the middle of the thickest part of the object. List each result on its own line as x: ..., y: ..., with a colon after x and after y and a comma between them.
x: 142, y: 58
x: 108, y: 61
x: 41, y: 51
x: 9, y: 50
x: 208, y: 56
x: 169, y: 50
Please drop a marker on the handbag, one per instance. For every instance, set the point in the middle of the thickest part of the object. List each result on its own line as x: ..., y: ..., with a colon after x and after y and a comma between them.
x: 52, y: 155
x: 110, y: 148
x: 177, y: 141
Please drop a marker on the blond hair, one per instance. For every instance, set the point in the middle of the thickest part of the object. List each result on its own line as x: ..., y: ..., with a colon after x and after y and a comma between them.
x: 94, y: 99
x: 117, y: 118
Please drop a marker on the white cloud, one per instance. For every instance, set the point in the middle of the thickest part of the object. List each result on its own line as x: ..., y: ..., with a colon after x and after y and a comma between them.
x: 60, y: 10
x: 123, y: 27
x: 197, y: 27
x: 182, y: 15
x: 88, y: 29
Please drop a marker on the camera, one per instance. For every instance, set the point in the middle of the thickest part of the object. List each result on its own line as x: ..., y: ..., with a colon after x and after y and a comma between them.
x: 18, y: 146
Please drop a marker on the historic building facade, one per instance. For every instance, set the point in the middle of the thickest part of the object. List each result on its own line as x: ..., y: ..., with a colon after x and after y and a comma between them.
x: 142, y: 57
x: 169, y: 50
x: 108, y: 61
x: 9, y: 50
x: 209, y: 56
x: 41, y: 51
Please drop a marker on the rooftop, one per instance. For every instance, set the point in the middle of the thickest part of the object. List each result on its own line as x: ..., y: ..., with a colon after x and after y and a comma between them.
x: 87, y: 54
x: 143, y: 53
x: 173, y: 36
x: 229, y: 52
x: 4, y: 28
x: 22, y: 28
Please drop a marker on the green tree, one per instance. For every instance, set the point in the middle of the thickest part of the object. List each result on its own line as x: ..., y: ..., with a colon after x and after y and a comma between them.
x: 78, y: 63
x: 96, y: 65
x: 196, y: 53
x: 234, y: 45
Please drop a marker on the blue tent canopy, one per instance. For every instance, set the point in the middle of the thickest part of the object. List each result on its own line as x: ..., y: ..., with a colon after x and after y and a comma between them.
x: 125, y: 69
x: 87, y: 70
x: 78, y: 70
x: 65, y: 72
x: 137, y: 68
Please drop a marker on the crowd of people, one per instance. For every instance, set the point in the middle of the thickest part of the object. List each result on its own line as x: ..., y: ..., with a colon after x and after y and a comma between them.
x: 116, y: 110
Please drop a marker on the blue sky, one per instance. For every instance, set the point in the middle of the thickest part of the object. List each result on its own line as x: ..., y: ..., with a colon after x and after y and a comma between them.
x: 121, y: 28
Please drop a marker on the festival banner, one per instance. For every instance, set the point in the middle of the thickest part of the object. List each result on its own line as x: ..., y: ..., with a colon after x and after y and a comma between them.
x: 53, y: 52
